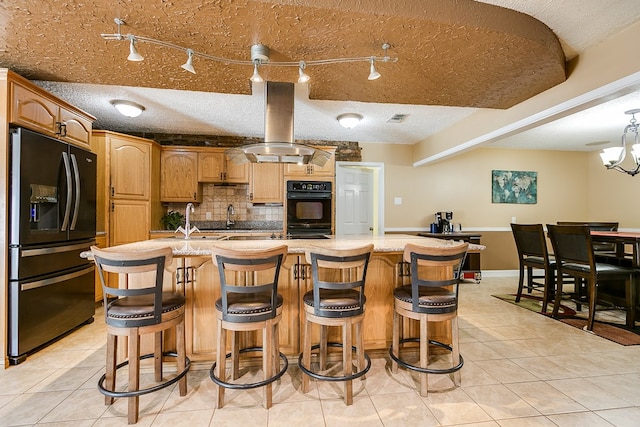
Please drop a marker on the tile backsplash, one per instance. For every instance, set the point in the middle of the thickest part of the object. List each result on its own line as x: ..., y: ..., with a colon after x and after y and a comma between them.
x: 216, y: 198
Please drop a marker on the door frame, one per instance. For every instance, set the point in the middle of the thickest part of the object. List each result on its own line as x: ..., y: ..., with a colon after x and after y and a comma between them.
x: 378, y: 193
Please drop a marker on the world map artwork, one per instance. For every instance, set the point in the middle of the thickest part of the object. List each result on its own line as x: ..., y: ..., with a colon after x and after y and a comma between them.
x: 514, y: 187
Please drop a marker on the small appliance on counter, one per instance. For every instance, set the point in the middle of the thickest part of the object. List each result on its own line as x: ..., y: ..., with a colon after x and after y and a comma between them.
x: 443, y: 223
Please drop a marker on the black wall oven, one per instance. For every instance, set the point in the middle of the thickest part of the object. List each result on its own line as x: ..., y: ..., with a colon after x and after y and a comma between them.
x: 309, y: 208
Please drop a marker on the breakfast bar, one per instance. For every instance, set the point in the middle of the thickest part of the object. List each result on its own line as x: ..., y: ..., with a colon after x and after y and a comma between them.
x: 194, y: 274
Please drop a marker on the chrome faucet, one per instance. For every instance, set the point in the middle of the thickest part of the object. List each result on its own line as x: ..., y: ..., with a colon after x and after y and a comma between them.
x: 230, y: 213
x: 187, y: 230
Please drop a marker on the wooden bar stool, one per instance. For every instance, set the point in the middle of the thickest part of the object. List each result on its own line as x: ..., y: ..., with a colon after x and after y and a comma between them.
x: 432, y: 296
x: 249, y: 301
x: 139, y: 311
x: 337, y: 299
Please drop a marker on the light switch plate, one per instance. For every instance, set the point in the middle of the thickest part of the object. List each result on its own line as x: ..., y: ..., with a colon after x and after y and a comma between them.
x: 397, y: 200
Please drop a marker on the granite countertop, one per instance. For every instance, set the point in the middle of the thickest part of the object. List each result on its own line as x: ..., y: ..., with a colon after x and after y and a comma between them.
x: 203, y: 246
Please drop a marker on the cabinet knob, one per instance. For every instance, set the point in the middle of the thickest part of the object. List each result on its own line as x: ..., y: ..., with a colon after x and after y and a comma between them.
x: 194, y: 196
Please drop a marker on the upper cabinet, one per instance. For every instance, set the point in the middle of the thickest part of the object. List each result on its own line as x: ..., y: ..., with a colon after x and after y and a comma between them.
x: 311, y: 171
x: 267, y: 184
x: 130, y: 168
x: 179, y: 176
x: 36, y: 109
x: 215, y: 166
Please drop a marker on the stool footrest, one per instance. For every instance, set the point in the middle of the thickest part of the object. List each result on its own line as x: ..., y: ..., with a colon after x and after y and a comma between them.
x: 332, y: 377
x: 132, y: 393
x: 247, y: 386
x: 421, y: 369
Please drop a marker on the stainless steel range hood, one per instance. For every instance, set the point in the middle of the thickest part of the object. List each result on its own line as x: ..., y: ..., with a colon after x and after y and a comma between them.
x: 279, y: 146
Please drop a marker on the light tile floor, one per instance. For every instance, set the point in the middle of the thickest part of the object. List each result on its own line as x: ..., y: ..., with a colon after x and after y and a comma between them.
x: 521, y: 369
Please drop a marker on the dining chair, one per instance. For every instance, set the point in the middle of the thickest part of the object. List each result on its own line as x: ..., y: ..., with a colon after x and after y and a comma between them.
x: 533, y: 253
x: 575, y: 257
x: 605, y: 252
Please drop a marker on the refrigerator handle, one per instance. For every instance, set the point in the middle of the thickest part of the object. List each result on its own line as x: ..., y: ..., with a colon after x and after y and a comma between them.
x: 67, y: 208
x: 76, y: 176
x: 52, y: 281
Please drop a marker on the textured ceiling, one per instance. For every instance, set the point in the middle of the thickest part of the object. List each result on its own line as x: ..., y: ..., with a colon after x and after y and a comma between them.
x: 454, y: 53
x: 454, y: 56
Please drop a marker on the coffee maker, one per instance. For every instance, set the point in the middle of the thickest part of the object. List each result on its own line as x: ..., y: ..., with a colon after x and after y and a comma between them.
x: 443, y: 222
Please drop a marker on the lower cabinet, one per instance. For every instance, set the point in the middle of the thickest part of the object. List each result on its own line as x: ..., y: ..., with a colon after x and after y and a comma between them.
x: 199, y: 278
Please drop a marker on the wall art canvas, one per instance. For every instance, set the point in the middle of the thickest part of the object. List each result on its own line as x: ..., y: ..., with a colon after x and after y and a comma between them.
x: 514, y: 187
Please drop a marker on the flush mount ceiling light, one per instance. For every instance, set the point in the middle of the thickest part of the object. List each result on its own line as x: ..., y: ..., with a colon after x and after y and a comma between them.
x: 259, y: 56
x: 127, y: 108
x: 349, y: 120
x: 612, y: 157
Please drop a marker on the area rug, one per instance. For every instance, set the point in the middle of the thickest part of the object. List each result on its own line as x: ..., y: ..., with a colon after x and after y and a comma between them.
x: 610, y: 331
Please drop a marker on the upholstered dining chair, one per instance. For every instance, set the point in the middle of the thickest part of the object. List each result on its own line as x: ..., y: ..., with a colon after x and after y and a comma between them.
x: 249, y: 301
x: 531, y: 244
x: 575, y: 257
x: 145, y: 308
x: 432, y: 296
x: 337, y: 299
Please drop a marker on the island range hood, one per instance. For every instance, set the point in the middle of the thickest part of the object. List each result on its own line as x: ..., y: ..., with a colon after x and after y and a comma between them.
x: 278, y: 145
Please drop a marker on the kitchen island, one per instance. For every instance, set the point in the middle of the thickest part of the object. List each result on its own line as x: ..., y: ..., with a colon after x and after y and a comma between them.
x: 194, y: 273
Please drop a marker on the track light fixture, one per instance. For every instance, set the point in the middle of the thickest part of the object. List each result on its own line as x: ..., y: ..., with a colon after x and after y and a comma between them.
x: 259, y: 56
x: 133, y: 52
x: 189, y: 64
x: 303, y: 77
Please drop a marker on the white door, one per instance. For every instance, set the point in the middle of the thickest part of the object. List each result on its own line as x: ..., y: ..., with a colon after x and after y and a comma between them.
x: 354, y: 201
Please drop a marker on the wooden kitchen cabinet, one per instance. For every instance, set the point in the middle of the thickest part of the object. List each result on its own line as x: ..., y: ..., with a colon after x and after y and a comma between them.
x: 311, y: 171
x: 130, y: 168
x: 179, y: 176
x: 128, y: 221
x: 266, y: 184
x: 37, y: 110
x: 128, y: 196
x: 215, y: 166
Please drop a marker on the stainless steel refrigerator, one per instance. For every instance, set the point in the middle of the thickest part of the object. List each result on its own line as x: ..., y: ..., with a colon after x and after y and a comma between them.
x: 52, y: 219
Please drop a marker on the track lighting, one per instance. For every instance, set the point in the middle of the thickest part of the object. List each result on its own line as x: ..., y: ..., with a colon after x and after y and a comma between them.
x: 133, y: 52
x: 303, y: 78
x: 256, y: 77
x: 373, y: 74
x: 189, y: 64
x: 259, y: 56
x: 349, y: 120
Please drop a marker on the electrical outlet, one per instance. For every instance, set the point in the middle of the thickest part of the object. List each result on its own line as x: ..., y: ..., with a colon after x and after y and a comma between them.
x: 397, y: 201
x: 208, y: 215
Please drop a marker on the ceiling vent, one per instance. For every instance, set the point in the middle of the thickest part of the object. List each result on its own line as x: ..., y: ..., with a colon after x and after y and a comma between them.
x: 397, y: 118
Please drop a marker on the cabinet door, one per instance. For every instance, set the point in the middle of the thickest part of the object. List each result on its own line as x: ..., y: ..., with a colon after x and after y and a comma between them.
x: 130, y: 169
x: 211, y: 166
x: 33, y: 111
x: 179, y: 176
x: 128, y: 222
x: 200, y: 312
x: 312, y: 171
x: 77, y: 129
x: 267, y: 183
x: 236, y: 173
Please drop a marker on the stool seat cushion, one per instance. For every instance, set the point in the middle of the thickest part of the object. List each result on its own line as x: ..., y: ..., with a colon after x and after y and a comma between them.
x: 239, y: 304
x: 438, y: 298
x: 136, y: 307
x: 339, y: 300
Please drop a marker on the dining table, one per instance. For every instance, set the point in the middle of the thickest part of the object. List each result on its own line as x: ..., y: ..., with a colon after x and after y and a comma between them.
x: 621, y: 239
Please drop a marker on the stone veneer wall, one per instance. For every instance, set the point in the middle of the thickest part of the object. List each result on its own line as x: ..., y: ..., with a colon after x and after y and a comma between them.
x: 346, y: 151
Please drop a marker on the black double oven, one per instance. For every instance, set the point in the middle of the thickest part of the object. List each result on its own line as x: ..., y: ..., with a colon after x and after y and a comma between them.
x: 309, y: 209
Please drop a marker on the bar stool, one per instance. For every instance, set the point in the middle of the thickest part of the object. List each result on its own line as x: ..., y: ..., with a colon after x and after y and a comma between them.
x: 139, y: 311
x: 432, y: 296
x: 337, y: 299
x: 249, y: 301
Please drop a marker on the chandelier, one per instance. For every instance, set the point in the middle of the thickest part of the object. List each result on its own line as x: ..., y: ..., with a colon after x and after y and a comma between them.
x: 612, y: 157
x: 259, y: 56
